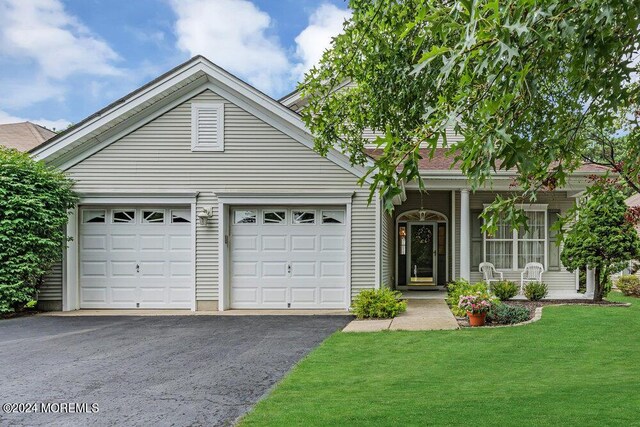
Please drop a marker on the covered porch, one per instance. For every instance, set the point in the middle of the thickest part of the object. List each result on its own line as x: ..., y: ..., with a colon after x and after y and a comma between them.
x: 435, y: 237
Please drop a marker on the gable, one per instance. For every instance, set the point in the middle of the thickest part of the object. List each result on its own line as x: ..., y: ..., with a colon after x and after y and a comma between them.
x: 154, y: 99
x: 256, y: 156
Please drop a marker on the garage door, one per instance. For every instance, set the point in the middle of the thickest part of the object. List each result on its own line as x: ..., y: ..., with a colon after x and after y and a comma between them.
x: 289, y: 258
x: 136, y: 257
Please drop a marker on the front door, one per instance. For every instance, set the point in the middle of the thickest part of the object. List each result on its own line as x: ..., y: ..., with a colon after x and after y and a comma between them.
x: 421, y: 267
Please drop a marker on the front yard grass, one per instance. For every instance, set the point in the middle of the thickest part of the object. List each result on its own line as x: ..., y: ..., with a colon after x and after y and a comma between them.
x: 579, y: 365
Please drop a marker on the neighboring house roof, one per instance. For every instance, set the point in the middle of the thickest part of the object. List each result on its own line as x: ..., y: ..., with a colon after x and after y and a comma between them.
x: 441, y: 161
x: 162, y: 94
x: 23, y: 136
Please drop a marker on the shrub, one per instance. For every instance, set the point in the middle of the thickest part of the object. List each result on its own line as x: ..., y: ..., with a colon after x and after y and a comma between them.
x: 505, y: 314
x: 535, y: 291
x: 504, y: 290
x: 382, y: 303
x: 459, y: 288
x: 34, y: 200
x: 629, y: 285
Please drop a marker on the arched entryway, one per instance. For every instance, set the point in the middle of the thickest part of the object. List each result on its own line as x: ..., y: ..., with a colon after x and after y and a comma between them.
x: 422, y: 260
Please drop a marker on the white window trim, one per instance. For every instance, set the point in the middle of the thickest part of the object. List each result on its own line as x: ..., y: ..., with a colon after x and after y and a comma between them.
x: 200, y: 146
x: 514, y: 238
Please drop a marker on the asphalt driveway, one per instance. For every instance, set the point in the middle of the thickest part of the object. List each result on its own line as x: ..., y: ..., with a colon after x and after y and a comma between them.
x: 169, y: 370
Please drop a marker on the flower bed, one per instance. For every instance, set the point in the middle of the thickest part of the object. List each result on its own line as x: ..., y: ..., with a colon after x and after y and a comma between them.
x: 533, y: 305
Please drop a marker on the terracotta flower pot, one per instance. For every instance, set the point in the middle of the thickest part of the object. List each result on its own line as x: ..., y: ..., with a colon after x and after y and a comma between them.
x: 476, y: 319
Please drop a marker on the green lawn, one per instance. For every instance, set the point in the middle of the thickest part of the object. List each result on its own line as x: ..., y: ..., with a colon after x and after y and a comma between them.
x: 577, y: 366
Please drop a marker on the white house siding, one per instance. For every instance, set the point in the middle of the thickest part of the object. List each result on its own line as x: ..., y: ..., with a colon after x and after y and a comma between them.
x: 51, y: 289
x: 257, y: 157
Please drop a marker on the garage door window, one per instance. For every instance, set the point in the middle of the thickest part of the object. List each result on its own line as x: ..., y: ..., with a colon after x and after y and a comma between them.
x: 244, y: 217
x: 304, y: 217
x: 124, y: 216
x: 153, y: 217
x: 92, y: 216
x: 274, y: 217
x: 332, y: 217
x: 180, y: 216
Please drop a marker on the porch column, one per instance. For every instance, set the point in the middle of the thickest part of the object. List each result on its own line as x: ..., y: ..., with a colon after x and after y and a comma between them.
x: 591, y: 282
x: 465, y: 236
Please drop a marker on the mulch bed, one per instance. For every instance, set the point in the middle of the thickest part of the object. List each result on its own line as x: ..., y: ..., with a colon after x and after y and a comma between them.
x: 532, y: 305
x: 24, y: 313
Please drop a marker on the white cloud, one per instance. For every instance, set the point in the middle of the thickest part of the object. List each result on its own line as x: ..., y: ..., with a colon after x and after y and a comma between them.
x: 50, y: 124
x: 24, y: 92
x: 43, y: 31
x: 235, y: 35
x: 324, y: 23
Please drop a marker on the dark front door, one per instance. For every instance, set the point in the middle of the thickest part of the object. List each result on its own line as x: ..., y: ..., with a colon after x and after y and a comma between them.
x: 421, y: 271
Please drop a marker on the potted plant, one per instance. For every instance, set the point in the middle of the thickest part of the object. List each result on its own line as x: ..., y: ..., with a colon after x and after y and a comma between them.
x: 477, y: 306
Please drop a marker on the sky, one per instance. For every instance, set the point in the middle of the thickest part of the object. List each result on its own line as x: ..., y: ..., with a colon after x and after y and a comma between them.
x: 62, y: 60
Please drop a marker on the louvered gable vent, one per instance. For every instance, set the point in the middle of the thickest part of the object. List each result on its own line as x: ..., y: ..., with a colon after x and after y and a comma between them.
x: 207, y: 126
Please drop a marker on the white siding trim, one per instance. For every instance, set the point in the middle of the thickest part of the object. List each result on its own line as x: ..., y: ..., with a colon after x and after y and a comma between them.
x: 226, y: 200
x: 378, y: 241
x: 453, y: 235
x: 194, y: 221
x: 70, y: 285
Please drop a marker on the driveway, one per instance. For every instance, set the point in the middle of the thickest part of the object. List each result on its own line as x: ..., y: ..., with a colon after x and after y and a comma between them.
x: 167, y: 370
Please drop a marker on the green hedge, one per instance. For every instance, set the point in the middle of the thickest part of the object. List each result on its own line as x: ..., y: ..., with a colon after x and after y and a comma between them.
x: 34, y: 201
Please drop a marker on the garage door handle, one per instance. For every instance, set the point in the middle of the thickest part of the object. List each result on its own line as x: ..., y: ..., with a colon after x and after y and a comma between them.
x: 289, y: 268
x: 137, y: 268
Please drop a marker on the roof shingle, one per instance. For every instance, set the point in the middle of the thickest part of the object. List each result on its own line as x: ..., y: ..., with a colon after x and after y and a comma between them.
x: 23, y: 136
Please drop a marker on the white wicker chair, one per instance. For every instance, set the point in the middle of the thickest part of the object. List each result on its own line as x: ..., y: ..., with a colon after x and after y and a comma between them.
x: 490, y: 274
x: 532, y: 273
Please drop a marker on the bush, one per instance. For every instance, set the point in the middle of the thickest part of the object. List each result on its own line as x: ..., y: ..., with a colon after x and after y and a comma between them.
x: 382, y: 303
x: 535, y: 291
x: 629, y: 285
x: 459, y: 288
x: 505, y: 290
x: 34, y: 200
x: 505, y: 314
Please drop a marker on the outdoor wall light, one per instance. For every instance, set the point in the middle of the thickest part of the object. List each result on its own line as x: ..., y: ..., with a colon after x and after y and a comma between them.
x: 204, y: 216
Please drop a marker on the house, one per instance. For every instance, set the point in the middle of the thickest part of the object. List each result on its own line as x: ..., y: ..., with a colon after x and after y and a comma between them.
x: 23, y: 136
x: 197, y: 191
x: 634, y: 202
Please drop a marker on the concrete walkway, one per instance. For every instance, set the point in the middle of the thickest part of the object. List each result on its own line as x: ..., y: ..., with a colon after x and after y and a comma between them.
x: 421, y: 315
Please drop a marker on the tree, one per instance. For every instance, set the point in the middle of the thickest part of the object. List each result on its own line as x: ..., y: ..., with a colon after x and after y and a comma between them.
x: 519, y: 80
x: 34, y: 201
x: 603, y: 236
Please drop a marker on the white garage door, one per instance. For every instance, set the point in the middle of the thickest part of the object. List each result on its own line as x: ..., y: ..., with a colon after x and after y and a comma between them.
x: 135, y: 258
x: 289, y: 258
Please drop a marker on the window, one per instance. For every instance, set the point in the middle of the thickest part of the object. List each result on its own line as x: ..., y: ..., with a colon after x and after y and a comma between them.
x: 124, y: 216
x: 93, y: 216
x: 304, y: 217
x: 153, y: 217
x: 207, y: 126
x: 180, y: 216
x: 513, y: 249
x: 531, y: 243
x: 244, y: 217
x: 274, y: 217
x: 332, y: 217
